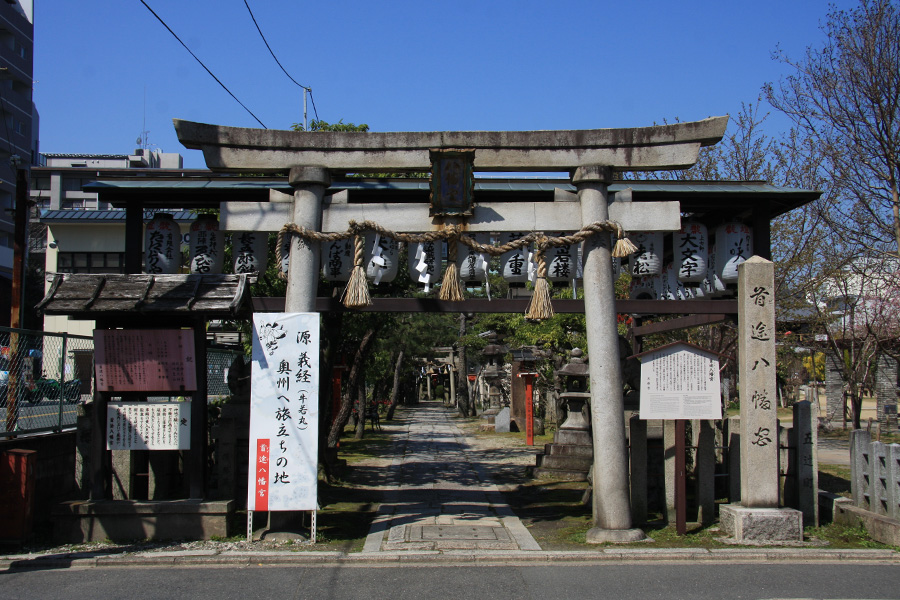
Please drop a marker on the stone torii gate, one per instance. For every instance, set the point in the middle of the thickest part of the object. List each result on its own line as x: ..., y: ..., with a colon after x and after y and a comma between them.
x: 592, y: 156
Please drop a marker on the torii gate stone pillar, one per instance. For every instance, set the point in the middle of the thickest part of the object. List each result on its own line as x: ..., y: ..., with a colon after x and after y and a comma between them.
x: 309, y: 185
x: 593, y: 155
x: 611, y: 505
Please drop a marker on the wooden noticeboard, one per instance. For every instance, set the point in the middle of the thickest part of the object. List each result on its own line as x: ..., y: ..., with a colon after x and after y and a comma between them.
x: 145, y: 360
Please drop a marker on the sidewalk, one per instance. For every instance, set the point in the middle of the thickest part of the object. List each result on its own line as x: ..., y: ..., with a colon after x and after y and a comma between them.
x: 440, y: 508
x: 439, y: 495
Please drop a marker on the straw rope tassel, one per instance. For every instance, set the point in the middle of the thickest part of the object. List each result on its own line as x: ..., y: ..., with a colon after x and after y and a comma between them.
x: 451, y: 287
x: 540, y: 308
x: 278, y: 257
x: 624, y: 247
x: 356, y: 294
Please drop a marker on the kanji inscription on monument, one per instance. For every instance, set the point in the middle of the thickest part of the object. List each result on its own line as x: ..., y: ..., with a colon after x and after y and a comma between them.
x: 145, y: 360
x: 756, y: 371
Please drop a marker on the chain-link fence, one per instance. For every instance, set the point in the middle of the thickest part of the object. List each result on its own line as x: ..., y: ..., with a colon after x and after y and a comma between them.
x: 44, y: 375
x: 42, y: 378
x: 217, y: 363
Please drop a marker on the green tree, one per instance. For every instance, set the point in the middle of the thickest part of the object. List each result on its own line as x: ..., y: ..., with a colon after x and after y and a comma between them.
x: 320, y: 125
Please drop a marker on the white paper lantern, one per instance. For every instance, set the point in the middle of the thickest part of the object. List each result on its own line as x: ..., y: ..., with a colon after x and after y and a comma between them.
x: 648, y: 258
x: 162, y: 245
x: 691, y: 248
x: 250, y: 251
x: 337, y: 259
x: 472, y: 265
x: 734, y: 245
x: 561, y: 262
x: 646, y: 287
x: 669, y: 283
x: 713, y: 286
x: 286, y: 253
x: 381, y: 258
x: 206, y: 246
x: 425, y: 262
x: 515, y: 264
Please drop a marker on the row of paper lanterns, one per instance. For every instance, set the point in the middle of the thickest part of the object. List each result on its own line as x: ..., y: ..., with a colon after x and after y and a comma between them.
x: 699, y: 268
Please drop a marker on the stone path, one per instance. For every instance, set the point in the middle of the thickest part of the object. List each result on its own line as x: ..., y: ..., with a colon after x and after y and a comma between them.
x: 439, y: 496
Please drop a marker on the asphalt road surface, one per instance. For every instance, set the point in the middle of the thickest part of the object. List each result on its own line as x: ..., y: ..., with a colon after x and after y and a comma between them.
x: 645, y: 581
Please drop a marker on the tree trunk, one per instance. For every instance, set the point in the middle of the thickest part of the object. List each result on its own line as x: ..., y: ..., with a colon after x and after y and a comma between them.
x: 361, y: 406
x: 346, y: 400
x: 395, y: 391
x: 463, y: 399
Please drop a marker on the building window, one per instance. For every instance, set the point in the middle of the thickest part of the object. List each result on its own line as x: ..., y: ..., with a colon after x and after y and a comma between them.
x: 73, y: 204
x: 90, y: 262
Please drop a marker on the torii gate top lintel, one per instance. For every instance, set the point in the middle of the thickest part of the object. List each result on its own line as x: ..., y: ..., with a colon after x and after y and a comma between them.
x: 622, y: 149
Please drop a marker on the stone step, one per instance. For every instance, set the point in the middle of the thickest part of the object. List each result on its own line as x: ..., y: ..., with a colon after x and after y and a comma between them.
x: 572, y: 436
x: 567, y: 463
x: 569, y: 450
x: 561, y: 474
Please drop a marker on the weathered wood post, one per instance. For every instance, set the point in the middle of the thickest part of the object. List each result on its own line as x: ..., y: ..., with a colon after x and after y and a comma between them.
x: 611, y: 502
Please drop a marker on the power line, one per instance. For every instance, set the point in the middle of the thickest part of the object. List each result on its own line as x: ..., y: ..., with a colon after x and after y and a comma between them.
x: 224, y: 87
x: 266, y: 42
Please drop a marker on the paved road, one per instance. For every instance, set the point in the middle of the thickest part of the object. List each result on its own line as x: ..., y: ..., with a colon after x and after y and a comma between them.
x: 644, y: 581
x: 439, y: 496
x: 41, y: 414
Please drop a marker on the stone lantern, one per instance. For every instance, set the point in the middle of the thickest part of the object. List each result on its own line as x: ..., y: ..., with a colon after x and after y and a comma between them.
x: 571, y: 454
x: 493, y: 371
x: 575, y: 376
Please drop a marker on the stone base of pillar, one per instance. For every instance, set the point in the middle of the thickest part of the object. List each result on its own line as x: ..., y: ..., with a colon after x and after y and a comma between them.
x: 598, y: 535
x: 761, y: 524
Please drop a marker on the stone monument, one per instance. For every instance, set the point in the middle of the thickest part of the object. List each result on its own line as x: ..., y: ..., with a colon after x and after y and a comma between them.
x: 758, y: 517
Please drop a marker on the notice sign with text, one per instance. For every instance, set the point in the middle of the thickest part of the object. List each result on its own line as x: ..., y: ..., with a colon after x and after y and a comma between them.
x: 145, y: 360
x: 680, y: 381
x: 148, y: 426
x: 284, y: 412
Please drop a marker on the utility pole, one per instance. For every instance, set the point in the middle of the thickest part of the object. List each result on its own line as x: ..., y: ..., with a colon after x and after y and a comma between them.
x: 20, y: 239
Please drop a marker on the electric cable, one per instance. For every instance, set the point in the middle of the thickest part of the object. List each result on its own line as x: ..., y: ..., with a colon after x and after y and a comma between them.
x: 278, y: 62
x: 224, y: 87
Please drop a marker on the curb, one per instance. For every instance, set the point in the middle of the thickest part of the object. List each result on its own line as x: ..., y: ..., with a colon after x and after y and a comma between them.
x: 446, y: 558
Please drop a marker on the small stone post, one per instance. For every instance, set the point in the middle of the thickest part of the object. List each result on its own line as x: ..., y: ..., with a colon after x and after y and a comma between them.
x: 805, y: 436
x: 669, y: 473
x: 638, y: 463
x: 611, y: 502
x: 886, y: 387
x: 734, y: 459
x: 834, y: 390
x: 705, y: 469
x: 758, y: 517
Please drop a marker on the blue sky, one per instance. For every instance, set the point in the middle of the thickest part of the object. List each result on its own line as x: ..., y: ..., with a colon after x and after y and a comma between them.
x: 105, y: 70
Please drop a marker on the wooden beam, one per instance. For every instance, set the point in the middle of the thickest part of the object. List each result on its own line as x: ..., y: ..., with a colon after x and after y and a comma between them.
x: 678, y: 323
x: 515, y: 305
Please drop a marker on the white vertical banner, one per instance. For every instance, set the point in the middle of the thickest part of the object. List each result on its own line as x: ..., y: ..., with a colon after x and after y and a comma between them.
x: 284, y: 412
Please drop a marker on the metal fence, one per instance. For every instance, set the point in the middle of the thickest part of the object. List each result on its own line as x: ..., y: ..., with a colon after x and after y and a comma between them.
x: 217, y: 363
x: 42, y: 378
